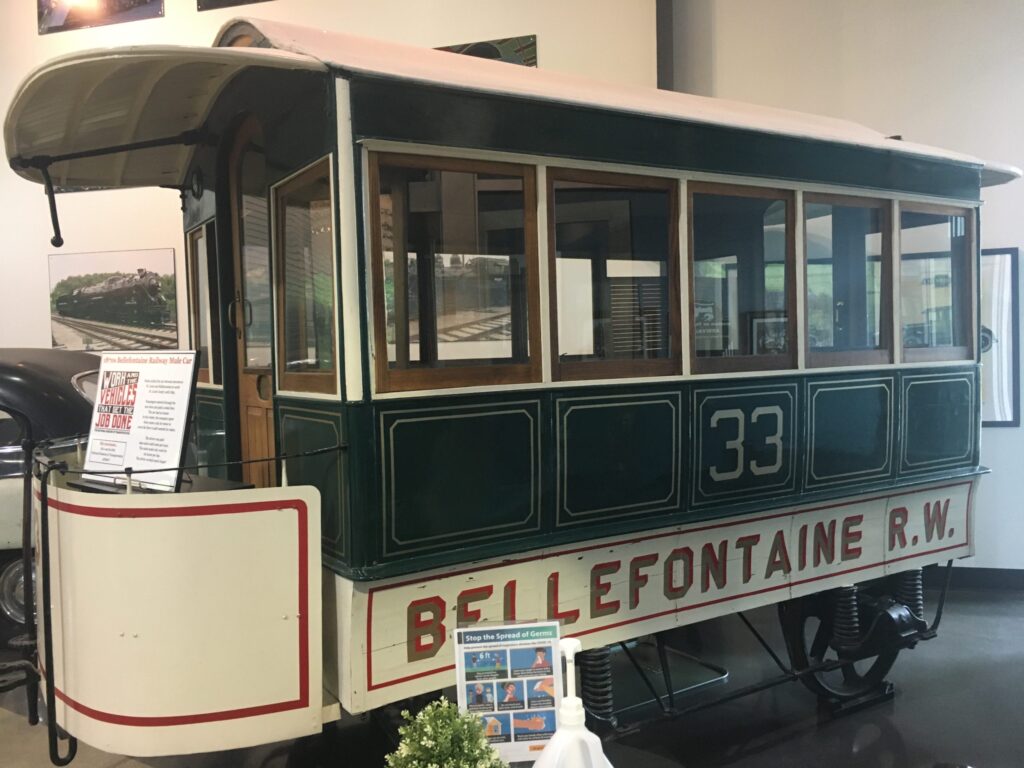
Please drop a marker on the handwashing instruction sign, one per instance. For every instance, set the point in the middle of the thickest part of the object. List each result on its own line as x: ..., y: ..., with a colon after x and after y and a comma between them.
x: 139, y: 417
x: 511, y: 677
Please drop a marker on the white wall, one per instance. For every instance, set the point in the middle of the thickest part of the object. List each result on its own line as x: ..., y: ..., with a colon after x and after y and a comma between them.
x: 943, y: 72
x: 605, y: 39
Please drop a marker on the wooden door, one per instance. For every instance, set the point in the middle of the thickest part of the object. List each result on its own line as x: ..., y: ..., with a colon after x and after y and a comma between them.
x: 250, y: 312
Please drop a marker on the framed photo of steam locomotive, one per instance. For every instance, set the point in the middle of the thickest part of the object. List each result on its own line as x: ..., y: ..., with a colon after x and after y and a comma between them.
x: 113, y: 300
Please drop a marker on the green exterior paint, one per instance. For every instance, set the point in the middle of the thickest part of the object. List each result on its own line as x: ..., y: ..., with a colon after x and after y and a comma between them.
x: 309, y: 425
x: 619, y: 455
x: 939, y: 422
x: 850, y: 435
x: 454, y: 476
x: 446, y: 480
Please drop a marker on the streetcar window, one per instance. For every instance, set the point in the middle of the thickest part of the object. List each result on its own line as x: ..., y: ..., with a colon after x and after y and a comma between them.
x: 455, y: 265
x: 204, y: 320
x: 614, y: 274
x: 742, y: 254
x: 847, y: 252
x: 304, y: 228
x: 935, y: 282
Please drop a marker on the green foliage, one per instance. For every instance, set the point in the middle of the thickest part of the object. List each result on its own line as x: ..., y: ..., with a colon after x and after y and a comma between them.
x: 442, y: 737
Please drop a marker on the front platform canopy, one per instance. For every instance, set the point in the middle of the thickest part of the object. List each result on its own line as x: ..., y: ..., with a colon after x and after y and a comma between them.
x: 152, y: 101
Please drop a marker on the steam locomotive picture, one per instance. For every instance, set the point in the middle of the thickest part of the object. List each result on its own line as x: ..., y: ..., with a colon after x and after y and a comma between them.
x: 126, y: 299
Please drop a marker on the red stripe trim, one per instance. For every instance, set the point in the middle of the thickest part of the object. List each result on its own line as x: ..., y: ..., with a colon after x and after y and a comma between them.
x: 302, y: 512
x: 371, y: 686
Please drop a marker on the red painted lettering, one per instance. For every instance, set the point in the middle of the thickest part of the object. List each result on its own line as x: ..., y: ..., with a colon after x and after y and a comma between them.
x: 676, y: 590
x: 851, y: 536
x: 637, y: 580
x: 599, y: 588
x: 746, y: 543
x: 824, y: 542
x: 509, y: 601
x: 463, y: 613
x: 713, y: 566
x: 897, y: 523
x: 778, y: 556
x: 935, y: 519
x: 425, y: 630
x: 566, y: 617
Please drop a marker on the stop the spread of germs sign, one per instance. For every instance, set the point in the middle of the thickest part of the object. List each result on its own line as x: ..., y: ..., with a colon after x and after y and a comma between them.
x: 138, y: 419
x: 511, y: 677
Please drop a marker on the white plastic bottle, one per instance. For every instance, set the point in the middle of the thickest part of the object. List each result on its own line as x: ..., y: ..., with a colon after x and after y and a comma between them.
x: 572, y: 746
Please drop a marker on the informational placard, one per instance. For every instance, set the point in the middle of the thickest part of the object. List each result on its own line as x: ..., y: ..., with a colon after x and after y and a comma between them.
x: 511, y: 677
x: 140, y: 416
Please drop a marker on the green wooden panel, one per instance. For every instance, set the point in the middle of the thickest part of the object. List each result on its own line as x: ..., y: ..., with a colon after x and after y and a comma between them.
x: 850, y: 430
x: 618, y: 456
x: 939, y: 421
x: 459, y: 475
x: 304, y: 428
x: 211, y: 440
x: 745, y: 442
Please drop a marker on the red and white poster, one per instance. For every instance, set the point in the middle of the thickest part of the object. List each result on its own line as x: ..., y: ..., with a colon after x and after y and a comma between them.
x: 140, y: 416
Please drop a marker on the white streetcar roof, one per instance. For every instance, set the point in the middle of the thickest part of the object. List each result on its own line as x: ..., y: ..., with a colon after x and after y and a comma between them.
x: 120, y: 96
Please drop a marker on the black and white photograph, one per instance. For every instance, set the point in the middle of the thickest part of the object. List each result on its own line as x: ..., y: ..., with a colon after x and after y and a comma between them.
x: 64, y: 15
x: 113, y: 300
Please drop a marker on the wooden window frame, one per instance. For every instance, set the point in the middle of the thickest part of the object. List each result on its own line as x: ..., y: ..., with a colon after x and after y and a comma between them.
x: 884, y: 354
x: 744, y: 363
x: 483, y: 374
x: 967, y: 320
x: 320, y: 382
x: 576, y: 370
x: 205, y: 375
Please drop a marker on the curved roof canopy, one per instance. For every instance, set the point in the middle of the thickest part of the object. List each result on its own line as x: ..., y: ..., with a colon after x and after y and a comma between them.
x: 133, y: 96
x: 78, y: 104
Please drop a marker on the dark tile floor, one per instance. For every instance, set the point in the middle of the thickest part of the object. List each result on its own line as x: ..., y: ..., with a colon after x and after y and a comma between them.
x: 959, y: 702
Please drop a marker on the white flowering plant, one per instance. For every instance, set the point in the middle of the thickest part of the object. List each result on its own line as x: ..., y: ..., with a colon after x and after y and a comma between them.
x: 440, y: 736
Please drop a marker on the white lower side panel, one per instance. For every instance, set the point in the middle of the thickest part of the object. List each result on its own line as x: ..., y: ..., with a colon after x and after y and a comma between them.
x: 186, y: 622
x: 393, y: 638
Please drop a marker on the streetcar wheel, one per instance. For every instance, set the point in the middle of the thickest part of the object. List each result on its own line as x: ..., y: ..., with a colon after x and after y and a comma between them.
x: 807, y: 628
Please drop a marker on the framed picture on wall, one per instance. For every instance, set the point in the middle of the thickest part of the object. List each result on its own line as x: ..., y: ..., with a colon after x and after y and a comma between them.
x: 113, y: 300
x: 63, y: 15
x: 210, y: 5
x: 768, y: 333
x: 1000, y: 347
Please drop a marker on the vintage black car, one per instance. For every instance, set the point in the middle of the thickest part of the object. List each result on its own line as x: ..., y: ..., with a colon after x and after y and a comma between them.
x: 44, y: 394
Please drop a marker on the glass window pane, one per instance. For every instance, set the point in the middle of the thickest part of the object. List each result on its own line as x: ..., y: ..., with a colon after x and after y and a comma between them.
x: 844, y: 277
x: 740, y: 275
x: 934, y: 299
x: 307, y: 255
x: 612, y: 255
x: 456, y: 292
x: 205, y: 323
x: 255, y: 245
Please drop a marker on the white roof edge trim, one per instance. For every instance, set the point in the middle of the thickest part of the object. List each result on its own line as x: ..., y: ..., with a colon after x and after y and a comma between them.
x: 350, y: 53
x: 994, y: 174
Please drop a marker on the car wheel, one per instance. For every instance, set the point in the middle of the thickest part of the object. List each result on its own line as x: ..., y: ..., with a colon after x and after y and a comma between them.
x: 12, y: 596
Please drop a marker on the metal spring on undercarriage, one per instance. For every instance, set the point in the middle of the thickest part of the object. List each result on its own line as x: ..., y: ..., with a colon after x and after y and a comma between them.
x: 595, y: 668
x: 846, y: 618
x: 910, y: 591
